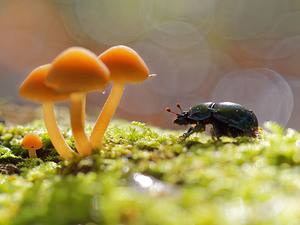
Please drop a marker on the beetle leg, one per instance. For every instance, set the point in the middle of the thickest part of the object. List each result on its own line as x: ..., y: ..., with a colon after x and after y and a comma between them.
x: 198, y: 128
x: 215, y: 132
x: 188, y: 133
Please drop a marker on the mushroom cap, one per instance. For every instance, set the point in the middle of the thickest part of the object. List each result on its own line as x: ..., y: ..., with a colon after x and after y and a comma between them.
x: 32, y: 141
x: 34, y: 87
x: 77, y: 70
x: 125, y: 65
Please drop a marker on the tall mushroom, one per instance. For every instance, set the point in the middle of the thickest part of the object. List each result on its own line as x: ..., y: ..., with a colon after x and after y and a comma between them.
x: 77, y: 71
x: 34, y: 88
x: 125, y: 66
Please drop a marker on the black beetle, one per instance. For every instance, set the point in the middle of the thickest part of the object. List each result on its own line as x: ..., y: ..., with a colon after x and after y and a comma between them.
x: 227, y: 119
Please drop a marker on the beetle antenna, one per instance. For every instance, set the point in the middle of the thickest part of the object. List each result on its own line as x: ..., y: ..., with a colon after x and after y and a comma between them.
x: 179, y: 107
x: 169, y: 110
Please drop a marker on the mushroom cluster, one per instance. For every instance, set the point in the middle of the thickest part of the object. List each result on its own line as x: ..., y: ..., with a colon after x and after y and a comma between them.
x: 71, y: 75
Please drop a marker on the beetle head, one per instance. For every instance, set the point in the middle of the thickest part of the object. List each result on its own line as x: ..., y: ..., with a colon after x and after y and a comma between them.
x: 182, y: 119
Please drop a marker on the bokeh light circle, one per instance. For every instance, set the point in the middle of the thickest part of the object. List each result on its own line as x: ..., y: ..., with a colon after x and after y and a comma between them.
x: 277, y: 42
x: 198, y: 13
x: 110, y: 22
x: 262, y: 89
x: 161, y: 63
x: 285, y: 25
x: 285, y: 48
x: 140, y: 99
x: 72, y: 23
x: 175, y: 34
x: 243, y: 19
x: 194, y: 68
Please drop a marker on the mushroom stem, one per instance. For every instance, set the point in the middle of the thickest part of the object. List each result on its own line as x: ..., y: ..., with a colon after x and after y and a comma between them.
x: 106, y: 114
x: 56, y: 137
x: 77, y: 124
x: 83, y: 118
x: 32, y: 153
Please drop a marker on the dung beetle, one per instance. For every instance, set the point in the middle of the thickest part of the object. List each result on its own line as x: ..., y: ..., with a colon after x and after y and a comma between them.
x: 227, y: 119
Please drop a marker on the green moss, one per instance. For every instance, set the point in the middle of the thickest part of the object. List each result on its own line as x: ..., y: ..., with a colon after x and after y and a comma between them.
x: 197, y: 181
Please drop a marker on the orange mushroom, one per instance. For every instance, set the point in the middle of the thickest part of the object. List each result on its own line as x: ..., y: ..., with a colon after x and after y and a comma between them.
x: 125, y: 66
x: 34, y: 88
x: 77, y: 71
x: 32, y: 142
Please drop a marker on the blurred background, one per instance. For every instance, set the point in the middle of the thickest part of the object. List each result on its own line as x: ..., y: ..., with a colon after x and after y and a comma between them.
x: 244, y: 51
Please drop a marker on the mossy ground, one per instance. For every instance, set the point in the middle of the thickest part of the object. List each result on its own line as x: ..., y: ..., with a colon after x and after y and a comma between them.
x: 197, y: 181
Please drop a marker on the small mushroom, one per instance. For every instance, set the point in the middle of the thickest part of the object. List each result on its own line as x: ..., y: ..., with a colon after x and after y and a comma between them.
x: 32, y: 142
x: 34, y: 88
x: 125, y: 66
x: 77, y: 71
